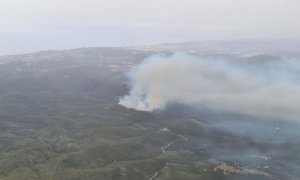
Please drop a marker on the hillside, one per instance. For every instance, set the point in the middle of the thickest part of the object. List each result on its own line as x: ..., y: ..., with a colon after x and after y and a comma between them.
x: 60, y: 120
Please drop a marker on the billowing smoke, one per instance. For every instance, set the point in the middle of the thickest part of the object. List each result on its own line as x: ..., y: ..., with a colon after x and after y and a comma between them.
x: 264, y: 88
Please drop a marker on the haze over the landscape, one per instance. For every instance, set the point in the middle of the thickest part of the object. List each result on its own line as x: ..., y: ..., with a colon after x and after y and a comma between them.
x: 32, y: 25
x: 262, y: 88
x: 214, y: 111
x: 150, y: 90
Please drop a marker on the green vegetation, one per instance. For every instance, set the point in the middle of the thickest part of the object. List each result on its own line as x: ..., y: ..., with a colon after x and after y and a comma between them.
x: 60, y: 120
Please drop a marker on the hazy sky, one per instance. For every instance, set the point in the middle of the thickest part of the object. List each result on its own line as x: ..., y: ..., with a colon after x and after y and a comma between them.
x: 31, y: 25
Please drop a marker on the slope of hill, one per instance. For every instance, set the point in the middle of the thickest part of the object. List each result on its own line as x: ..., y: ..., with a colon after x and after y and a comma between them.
x: 60, y: 119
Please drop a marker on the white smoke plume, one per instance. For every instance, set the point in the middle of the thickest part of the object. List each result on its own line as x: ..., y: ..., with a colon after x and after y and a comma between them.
x: 263, y: 88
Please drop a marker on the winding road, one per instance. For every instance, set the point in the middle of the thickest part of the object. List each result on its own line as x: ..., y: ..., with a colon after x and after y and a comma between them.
x: 163, y: 149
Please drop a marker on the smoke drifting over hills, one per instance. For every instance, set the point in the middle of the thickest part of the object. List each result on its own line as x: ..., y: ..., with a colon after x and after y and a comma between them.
x: 264, y: 88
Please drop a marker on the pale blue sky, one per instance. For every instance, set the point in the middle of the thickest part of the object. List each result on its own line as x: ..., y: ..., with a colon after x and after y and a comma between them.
x: 32, y: 25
